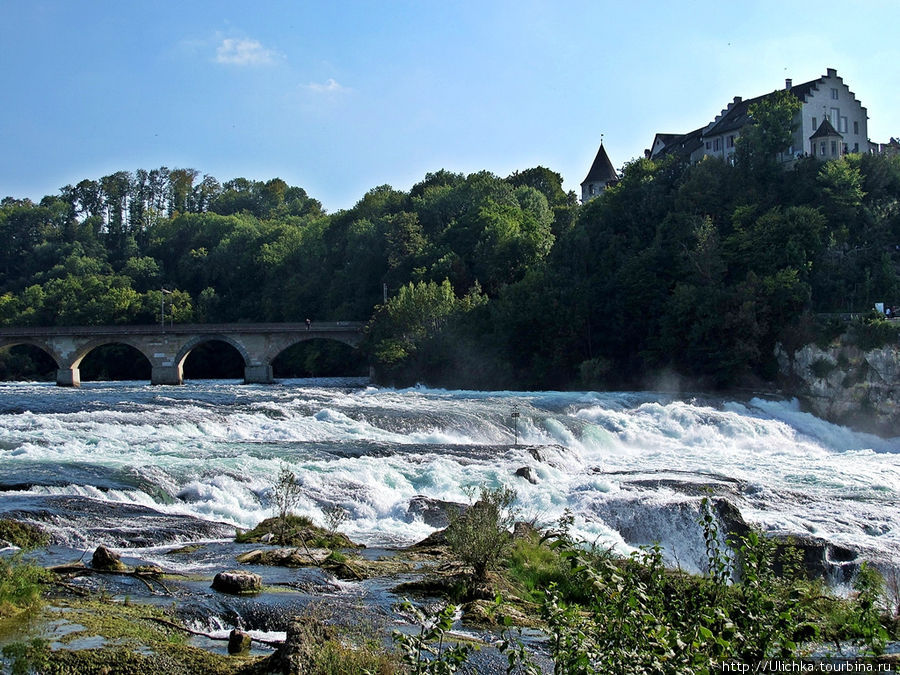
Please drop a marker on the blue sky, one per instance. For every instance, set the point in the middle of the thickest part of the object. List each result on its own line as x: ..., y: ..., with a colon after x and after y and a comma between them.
x: 344, y: 96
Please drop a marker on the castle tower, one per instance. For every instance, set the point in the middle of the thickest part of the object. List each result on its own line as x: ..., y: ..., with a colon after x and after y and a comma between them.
x: 600, y: 176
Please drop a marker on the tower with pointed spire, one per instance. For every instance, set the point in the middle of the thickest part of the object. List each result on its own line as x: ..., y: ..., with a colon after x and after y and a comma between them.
x: 600, y: 176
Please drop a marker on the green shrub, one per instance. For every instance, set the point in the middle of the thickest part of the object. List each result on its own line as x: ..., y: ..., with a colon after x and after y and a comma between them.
x: 480, y: 536
x: 822, y: 368
x: 874, y: 331
x: 21, y: 584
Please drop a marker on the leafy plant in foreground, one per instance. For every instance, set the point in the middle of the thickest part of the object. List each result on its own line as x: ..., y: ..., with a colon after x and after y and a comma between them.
x: 425, y: 653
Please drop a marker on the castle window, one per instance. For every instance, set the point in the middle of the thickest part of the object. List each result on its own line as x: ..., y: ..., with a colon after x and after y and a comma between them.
x: 856, y: 147
x: 822, y: 148
x: 833, y: 148
x: 844, y: 149
x: 814, y: 124
x: 731, y: 141
x: 834, y: 94
x: 856, y: 127
x: 716, y: 145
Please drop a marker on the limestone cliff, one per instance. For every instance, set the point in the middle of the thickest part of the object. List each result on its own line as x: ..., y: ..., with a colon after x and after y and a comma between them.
x: 846, y: 384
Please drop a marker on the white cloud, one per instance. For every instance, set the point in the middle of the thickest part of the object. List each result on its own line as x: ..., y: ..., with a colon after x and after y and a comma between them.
x: 244, y: 52
x: 330, y: 86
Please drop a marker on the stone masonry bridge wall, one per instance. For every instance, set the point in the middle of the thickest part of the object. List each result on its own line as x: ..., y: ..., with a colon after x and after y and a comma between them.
x: 167, y: 347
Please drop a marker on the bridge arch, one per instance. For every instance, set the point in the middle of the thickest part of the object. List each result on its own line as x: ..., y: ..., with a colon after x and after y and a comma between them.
x: 213, y: 356
x: 86, y: 348
x: 31, y: 342
x: 197, y: 340
x: 317, y: 356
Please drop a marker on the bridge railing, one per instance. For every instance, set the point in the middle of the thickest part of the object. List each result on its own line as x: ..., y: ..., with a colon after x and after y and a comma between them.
x: 179, y: 328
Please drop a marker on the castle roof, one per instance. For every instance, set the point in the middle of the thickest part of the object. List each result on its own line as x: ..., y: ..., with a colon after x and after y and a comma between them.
x: 738, y: 113
x: 602, y: 170
x: 825, y: 129
x: 681, y: 145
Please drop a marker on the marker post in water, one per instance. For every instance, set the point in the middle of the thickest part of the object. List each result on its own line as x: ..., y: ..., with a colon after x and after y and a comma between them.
x: 515, y: 417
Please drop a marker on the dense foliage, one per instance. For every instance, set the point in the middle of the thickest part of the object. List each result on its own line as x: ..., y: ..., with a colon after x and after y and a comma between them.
x: 692, y: 269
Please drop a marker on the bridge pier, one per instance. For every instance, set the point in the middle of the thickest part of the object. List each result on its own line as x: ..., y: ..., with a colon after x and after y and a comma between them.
x: 68, y: 377
x: 258, y: 374
x: 166, y: 375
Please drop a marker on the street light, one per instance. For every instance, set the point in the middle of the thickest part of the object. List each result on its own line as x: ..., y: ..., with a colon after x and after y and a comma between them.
x: 515, y: 416
x: 162, y: 308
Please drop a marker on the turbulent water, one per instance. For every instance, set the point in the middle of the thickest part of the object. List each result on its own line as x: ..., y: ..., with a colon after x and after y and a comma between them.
x: 129, y: 465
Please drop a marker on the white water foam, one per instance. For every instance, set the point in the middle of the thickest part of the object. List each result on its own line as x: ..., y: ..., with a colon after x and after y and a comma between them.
x: 216, y: 449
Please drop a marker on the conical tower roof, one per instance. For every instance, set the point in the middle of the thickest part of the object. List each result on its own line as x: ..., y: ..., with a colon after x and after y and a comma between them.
x: 825, y: 129
x: 601, y: 170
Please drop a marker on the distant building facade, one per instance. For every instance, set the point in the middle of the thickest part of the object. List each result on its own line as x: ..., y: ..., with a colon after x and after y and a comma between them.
x: 600, y: 176
x: 832, y: 122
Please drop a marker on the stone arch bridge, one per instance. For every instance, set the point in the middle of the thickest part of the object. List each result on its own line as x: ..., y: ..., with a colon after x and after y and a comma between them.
x: 167, y: 347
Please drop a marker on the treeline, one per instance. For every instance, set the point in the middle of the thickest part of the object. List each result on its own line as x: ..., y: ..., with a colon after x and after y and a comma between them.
x: 493, y: 282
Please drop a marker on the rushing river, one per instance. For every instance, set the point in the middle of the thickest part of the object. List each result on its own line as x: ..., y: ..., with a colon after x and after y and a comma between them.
x: 134, y: 466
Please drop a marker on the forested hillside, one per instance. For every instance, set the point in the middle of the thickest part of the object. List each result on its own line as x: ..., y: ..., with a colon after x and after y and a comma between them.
x: 696, y: 270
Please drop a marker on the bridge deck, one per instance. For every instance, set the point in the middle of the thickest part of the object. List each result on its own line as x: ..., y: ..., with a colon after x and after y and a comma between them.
x: 182, y: 329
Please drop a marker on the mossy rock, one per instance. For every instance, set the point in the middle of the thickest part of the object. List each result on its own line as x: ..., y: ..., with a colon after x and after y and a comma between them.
x: 107, y: 560
x: 298, y: 531
x: 23, y: 535
x: 285, y: 557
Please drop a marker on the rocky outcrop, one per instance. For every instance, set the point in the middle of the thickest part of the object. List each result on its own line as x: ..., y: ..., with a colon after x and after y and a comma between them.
x: 107, y: 560
x: 237, y: 583
x: 845, y: 384
x: 433, y: 512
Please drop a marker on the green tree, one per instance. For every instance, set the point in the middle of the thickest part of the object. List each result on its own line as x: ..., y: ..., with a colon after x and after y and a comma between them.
x: 769, y: 133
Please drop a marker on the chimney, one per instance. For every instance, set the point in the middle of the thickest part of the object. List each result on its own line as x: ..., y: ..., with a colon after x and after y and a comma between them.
x: 738, y: 99
x: 788, y: 83
x: 832, y: 72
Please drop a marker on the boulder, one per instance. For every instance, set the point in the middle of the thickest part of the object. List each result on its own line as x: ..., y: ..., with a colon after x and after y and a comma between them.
x: 106, y: 560
x: 285, y: 557
x: 528, y: 474
x: 236, y: 582
x: 304, y: 637
x: 238, y: 642
x: 433, y: 512
x: 819, y: 558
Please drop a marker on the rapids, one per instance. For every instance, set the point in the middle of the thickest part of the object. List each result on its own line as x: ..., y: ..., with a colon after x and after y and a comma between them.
x: 134, y: 466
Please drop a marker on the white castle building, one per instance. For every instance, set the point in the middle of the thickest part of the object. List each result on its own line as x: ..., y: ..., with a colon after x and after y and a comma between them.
x: 831, y: 122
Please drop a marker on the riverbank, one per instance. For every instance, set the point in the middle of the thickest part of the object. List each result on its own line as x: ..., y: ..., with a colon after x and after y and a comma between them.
x: 145, y: 619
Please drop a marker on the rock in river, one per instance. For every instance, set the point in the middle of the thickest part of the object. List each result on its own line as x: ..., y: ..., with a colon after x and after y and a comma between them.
x: 237, y: 582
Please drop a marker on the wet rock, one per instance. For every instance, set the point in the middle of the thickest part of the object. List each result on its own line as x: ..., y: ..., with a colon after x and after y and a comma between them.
x: 433, y: 512
x: 238, y: 642
x: 236, y: 582
x: 536, y: 453
x: 149, y: 570
x: 110, y: 561
x: 434, y: 544
x: 730, y: 518
x: 819, y: 558
x: 285, y: 557
x: 304, y: 637
x: 528, y: 474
